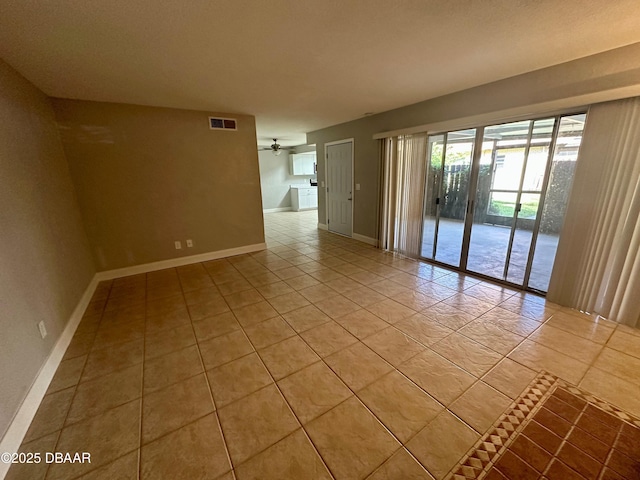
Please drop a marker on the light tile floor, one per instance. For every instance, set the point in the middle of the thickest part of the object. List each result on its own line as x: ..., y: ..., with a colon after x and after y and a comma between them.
x: 318, y: 358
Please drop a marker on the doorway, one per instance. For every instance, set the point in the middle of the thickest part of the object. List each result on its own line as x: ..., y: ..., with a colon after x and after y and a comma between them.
x: 496, y: 196
x: 339, y: 175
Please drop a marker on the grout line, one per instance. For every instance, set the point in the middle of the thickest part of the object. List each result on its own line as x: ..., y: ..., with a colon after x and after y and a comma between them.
x: 75, y: 391
x: 139, y: 457
x: 144, y: 364
x: 354, y: 394
x: 610, y: 453
x: 275, y: 383
x: 565, y: 440
x: 206, y: 377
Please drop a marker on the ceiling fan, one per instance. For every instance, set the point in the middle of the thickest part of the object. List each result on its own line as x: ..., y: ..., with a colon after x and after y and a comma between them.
x: 275, y: 148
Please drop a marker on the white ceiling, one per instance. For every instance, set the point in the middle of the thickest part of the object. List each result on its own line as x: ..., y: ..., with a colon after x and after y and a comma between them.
x: 297, y: 65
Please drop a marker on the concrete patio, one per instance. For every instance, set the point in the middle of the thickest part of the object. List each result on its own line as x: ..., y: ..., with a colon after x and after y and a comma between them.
x: 488, y: 249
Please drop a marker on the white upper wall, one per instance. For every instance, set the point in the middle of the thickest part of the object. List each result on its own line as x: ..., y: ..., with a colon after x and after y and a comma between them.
x: 276, y: 178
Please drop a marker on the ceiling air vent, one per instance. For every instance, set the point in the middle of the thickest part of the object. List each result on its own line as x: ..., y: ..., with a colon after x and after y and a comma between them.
x: 223, y: 123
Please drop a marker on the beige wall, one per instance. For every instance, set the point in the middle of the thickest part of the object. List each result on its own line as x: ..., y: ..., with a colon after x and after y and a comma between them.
x: 147, y: 177
x: 616, y: 69
x: 46, y: 262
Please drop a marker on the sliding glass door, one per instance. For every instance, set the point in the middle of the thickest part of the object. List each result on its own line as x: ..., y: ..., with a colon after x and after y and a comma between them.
x: 496, y: 195
x: 449, y: 160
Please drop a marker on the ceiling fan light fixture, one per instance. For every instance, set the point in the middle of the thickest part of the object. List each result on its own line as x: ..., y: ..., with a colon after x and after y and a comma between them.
x: 275, y: 148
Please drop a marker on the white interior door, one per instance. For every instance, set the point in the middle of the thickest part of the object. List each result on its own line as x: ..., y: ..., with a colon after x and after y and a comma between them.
x: 340, y: 188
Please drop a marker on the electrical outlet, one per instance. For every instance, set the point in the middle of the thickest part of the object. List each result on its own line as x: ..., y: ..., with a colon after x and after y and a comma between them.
x: 322, y: 183
x: 178, y: 245
x: 357, y: 186
x: 42, y: 328
x: 189, y: 243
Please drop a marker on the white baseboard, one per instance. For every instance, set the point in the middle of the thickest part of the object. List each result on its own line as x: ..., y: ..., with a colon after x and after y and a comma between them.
x: 355, y: 236
x: 178, y: 262
x: 20, y: 424
x: 365, y: 239
x: 274, y: 210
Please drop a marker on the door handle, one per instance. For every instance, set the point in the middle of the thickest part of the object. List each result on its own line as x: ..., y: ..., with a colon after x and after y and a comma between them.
x: 350, y: 199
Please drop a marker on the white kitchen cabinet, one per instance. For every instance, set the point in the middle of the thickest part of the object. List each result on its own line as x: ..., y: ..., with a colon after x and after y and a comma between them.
x: 304, y: 198
x: 303, y: 163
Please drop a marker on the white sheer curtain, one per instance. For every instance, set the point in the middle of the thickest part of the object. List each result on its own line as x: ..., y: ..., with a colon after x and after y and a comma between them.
x: 403, y: 177
x: 602, y: 271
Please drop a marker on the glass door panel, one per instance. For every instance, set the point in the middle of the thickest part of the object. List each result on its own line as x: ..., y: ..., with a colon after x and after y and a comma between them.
x: 490, y: 234
x: 538, y: 155
x: 522, y: 236
x: 449, y: 158
x: 563, y: 166
x: 529, y: 198
x: 499, y: 180
x: 454, y: 195
x: 435, y: 148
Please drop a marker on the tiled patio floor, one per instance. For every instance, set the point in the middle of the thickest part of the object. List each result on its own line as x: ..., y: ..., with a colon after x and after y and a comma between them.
x: 318, y: 358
